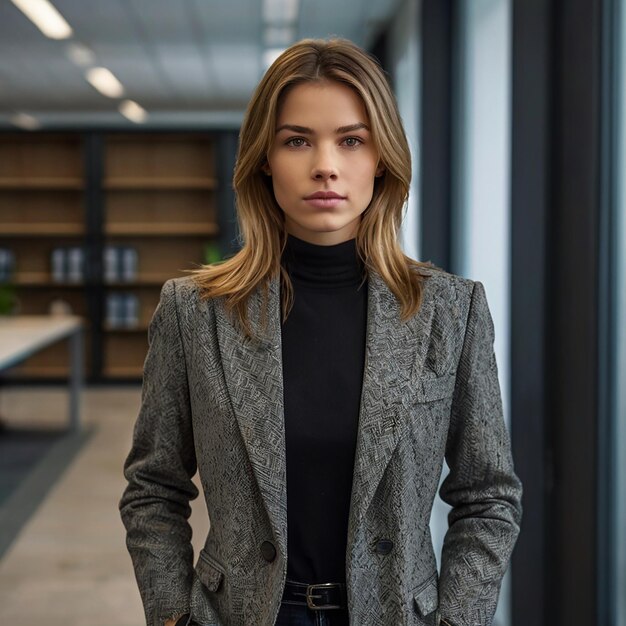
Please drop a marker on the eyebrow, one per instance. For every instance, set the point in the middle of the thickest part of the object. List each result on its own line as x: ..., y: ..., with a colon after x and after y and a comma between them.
x: 309, y: 131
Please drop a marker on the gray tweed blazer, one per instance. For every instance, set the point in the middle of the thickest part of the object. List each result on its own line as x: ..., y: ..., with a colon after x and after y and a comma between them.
x: 212, y: 401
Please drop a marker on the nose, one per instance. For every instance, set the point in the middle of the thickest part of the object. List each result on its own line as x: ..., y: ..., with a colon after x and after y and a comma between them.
x: 324, y: 167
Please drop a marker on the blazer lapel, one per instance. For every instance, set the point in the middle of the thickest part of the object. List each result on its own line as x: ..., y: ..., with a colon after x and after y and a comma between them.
x: 394, y: 356
x: 253, y: 374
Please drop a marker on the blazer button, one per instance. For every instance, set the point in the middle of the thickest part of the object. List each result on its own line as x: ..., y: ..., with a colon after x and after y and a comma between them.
x: 268, y: 551
x: 384, y: 546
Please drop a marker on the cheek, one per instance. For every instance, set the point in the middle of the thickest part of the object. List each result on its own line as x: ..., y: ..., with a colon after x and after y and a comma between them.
x: 364, y: 181
x: 366, y: 171
x: 284, y: 186
x: 284, y: 175
x: 283, y: 189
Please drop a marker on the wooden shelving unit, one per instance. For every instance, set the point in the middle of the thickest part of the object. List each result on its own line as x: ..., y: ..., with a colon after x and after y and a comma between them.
x: 157, y: 193
x: 160, y: 200
x: 42, y: 187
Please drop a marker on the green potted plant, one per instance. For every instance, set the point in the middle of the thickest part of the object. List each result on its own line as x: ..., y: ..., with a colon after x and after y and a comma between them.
x: 8, y: 299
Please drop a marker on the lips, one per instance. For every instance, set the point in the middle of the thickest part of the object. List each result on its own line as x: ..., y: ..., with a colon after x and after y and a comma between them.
x: 324, y: 195
x: 324, y: 200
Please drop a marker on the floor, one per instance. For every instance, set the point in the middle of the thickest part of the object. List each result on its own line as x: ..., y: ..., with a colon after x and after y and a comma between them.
x: 69, y: 565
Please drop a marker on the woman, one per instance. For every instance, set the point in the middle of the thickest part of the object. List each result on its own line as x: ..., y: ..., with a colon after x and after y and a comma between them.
x: 317, y: 380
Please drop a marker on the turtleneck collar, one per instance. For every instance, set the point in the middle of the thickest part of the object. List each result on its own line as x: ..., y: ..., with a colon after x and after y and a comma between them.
x: 313, y: 265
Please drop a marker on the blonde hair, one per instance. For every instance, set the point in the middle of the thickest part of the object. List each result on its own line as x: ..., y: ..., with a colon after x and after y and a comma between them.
x: 261, y: 221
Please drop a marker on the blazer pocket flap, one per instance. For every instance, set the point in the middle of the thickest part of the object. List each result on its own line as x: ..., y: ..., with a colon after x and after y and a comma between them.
x: 209, y: 571
x: 426, y: 596
x: 436, y: 388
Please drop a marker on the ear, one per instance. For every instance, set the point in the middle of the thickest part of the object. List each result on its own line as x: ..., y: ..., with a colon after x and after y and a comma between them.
x: 380, y: 171
x: 265, y: 168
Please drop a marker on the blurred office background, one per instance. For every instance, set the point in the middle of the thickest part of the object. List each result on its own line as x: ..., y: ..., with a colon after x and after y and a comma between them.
x: 118, y: 133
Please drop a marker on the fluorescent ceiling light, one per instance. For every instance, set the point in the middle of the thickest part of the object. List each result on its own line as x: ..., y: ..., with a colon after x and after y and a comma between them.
x: 80, y: 54
x: 45, y: 17
x: 280, y: 11
x: 25, y: 121
x: 104, y: 81
x: 270, y: 55
x: 132, y: 111
x: 277, y: 36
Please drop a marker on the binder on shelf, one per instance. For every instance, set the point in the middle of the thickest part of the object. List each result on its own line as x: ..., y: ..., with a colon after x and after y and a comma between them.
x: 131, y: 311
x: 110, y: 264
x: 120, y: 264
x: 7, y: 265
x: 58, y: 265
x: 122, y: 310
x: 129, y: 264
x: 75, y: 265
x: 68, y: 265
x: 114, y: 310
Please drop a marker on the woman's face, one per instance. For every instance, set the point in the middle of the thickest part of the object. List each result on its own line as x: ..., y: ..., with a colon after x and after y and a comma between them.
x: 323, y: 162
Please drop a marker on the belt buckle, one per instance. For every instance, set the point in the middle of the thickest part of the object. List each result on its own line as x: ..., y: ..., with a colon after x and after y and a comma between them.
x: 309, y: 597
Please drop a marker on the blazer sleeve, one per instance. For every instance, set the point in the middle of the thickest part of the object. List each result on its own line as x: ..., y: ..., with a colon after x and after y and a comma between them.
x: 481, y: 487
x: 155, y: 504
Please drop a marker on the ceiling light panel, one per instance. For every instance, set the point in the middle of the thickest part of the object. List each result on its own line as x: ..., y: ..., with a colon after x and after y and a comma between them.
x: 25, y: 121
x: 45, y: 17
x: 133, y: 111
x: 80, y: 54
x: 105, y: 82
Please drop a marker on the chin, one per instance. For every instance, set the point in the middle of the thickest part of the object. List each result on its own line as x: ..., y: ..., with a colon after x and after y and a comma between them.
x: 329, y: 225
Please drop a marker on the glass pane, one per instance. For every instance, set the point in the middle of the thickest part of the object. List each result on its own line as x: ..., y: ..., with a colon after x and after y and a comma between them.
x: 620, y: 340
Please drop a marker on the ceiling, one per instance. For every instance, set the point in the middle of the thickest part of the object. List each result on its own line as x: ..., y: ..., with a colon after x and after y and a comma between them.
x: 189, y: 63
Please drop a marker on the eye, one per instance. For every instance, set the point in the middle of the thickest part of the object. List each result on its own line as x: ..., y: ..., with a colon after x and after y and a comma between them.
x: 352, y: 142
x: 295, y: 142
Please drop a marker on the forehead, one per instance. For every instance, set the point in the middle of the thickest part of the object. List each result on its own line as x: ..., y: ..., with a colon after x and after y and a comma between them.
x: 324, y: 102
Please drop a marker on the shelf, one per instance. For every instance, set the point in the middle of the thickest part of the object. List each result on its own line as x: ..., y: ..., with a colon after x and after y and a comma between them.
x: 149, y: 182
x: 41, y: 183
x: 41, y: 229
x: 122, y: 371
x: 41, y: 279
x: 161, y: 229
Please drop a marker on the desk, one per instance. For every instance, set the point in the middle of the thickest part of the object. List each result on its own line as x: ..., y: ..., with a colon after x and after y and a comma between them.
x: 22, y: 336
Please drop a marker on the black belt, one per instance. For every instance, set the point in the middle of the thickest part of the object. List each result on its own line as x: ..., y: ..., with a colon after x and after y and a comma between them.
x: 319, y: 597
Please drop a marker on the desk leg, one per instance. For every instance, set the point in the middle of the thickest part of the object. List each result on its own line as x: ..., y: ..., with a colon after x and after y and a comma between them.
x: 76, y: 378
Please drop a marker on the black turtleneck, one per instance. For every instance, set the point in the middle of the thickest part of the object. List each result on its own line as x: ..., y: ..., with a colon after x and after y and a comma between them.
x: 323, y: 349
